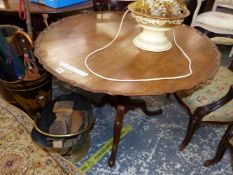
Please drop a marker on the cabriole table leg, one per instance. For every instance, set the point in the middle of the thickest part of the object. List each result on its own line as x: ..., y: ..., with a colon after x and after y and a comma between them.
x: 123, y: 104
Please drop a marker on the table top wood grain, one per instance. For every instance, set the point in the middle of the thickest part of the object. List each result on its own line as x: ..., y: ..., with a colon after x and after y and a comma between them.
x: 73, y: 38
x: 11, y: 6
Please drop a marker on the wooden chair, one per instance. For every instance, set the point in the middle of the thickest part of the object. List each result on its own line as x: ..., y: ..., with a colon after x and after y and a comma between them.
x: 225, y: 142
x: 211, y: 101
x: 216, y: 21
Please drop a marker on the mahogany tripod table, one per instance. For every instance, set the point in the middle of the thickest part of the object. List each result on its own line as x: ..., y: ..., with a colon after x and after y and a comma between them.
x: 63, y: 46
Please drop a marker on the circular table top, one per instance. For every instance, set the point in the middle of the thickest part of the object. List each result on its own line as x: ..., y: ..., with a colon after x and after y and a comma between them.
x: 70, y: 40
x: 36, y: 8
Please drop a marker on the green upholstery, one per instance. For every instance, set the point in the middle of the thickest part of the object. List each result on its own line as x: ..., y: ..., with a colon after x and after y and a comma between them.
x: 209, y: 92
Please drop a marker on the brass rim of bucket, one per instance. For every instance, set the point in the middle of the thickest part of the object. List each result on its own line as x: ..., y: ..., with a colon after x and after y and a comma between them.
x: 44, y: 75
x: 22, y: 90
x: 64, y: 135
x: 74, y: 157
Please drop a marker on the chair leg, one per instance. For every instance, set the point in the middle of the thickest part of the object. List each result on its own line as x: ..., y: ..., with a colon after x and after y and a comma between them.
x: 222, y: 147
x: 194, y: 122
x: 231, y: 53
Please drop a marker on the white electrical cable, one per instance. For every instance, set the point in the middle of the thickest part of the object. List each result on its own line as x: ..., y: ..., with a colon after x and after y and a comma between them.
x: 136, y: 80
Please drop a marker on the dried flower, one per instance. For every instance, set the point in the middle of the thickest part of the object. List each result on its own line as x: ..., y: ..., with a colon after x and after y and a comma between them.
x: 163, y: 8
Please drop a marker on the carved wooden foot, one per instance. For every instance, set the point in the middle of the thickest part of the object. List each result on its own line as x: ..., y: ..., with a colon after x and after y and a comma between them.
x: 222, y: 147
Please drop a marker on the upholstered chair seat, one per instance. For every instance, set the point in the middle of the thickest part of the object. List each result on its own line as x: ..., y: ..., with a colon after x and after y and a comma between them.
x: 209, y: 92
x: 216, y: 21
x: 222, y: 40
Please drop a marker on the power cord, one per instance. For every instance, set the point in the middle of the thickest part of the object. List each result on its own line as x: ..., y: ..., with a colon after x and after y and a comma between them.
x: 88, y: 57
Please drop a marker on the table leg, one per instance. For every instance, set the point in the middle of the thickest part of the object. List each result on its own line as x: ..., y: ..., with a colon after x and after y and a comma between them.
x: 120, y: 111
x: 123, y: 104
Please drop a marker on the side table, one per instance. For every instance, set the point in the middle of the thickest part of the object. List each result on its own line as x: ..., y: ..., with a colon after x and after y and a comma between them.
x: 63, y: 46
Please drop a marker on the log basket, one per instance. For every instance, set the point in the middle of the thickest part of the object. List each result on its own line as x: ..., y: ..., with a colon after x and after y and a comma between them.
x: 80, y: 140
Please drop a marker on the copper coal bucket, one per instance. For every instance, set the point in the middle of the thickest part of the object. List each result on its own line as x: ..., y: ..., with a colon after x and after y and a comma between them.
x: 31, y: 93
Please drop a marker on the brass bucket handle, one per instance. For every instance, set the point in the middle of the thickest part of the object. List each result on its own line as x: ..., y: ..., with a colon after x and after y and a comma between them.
x: 26, y: 36
x: 63, y: 135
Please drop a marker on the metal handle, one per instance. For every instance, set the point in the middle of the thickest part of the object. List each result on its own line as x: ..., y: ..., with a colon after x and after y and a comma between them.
x: 26, y: 36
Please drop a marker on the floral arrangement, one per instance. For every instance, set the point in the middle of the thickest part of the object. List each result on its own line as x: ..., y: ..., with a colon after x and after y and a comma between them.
x: 161, y: 8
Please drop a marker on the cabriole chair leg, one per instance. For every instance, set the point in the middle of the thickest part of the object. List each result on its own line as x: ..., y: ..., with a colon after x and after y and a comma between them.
x: 194, y: 123
x: 222, y: 147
